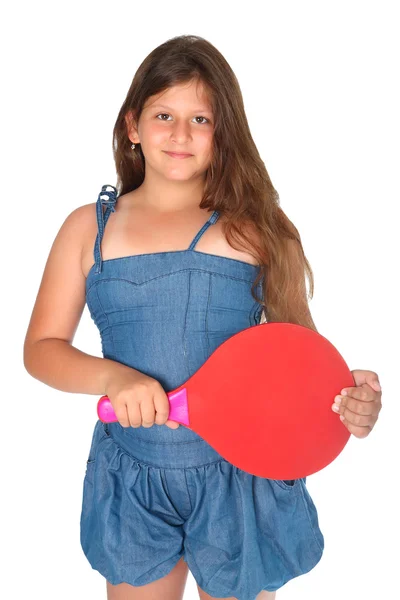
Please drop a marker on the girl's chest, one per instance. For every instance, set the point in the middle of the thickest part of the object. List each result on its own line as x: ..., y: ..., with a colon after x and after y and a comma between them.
x: 128, y: 233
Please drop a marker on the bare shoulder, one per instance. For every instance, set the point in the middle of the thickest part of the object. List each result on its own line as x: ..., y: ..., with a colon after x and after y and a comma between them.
x: 79, y: 221
x: 84, y: 220
x: 61, y: 296
x: 83, y: 217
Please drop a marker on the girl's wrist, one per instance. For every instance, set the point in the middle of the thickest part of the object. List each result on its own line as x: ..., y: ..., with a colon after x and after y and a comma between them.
x: 112, y: 369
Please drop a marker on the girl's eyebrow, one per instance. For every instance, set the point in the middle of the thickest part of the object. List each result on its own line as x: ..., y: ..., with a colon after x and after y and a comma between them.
x: 169, y: 108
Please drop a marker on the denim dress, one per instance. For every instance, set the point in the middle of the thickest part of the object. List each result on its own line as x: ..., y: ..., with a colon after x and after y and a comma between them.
x: 154, y: 495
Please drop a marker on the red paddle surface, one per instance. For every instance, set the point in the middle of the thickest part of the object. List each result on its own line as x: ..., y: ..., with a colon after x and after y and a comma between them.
x: 263, y: 400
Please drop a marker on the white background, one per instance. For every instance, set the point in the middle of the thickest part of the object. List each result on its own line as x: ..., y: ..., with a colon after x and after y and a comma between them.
x: 319, y: 81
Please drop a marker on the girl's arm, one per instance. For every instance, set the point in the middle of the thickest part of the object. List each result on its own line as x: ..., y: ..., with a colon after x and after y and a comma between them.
x: 48, y: 352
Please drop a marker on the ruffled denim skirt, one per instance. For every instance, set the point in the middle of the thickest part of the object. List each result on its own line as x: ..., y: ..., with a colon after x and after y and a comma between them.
x: 147, y: 504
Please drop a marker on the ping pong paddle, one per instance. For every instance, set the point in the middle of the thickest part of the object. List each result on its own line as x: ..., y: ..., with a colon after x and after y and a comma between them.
x: 263, y: 401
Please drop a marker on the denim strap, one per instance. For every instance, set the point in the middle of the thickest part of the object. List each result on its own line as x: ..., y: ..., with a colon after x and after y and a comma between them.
x: 106, y: 198
x: 211, y: 221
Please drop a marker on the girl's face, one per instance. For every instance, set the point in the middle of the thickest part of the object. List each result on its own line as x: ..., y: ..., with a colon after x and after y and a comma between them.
x: 179, y: 119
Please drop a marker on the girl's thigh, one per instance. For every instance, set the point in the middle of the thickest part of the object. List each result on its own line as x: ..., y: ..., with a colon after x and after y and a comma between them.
x: 169, y: 587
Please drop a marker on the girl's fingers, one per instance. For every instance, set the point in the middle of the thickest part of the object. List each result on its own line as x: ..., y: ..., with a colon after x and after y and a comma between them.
x: 148, y: 412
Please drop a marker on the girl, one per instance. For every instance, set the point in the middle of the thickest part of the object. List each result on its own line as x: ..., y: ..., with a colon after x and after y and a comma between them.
x: 171, y: 265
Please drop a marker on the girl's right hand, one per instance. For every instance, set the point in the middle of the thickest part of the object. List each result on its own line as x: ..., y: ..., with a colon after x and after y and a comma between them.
x: 138, y: 399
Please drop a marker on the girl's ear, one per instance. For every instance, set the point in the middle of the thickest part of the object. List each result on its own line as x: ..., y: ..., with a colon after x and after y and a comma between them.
x: 131, y: 126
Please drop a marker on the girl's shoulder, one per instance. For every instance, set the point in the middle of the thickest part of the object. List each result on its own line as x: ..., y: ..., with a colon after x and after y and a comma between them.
x: 80, y: 226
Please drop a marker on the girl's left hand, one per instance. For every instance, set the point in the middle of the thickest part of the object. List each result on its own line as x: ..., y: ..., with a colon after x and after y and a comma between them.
x: 360, y: 406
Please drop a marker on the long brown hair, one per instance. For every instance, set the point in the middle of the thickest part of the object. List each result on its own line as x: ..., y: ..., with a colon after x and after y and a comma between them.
x: 237, y: 183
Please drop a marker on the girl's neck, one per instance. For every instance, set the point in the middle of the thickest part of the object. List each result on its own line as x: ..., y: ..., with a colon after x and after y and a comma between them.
x: 165, y: 197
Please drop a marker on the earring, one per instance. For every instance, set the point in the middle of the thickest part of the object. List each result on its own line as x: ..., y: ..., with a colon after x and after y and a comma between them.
x: 133, y: 146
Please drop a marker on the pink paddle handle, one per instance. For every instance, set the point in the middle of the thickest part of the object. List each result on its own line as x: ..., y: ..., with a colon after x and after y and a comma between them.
x: 178, y: 408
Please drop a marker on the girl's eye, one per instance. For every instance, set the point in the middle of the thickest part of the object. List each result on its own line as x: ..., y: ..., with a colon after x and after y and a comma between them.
x: 162, y: 114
